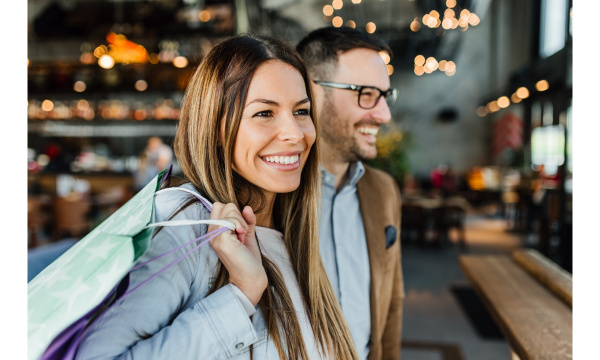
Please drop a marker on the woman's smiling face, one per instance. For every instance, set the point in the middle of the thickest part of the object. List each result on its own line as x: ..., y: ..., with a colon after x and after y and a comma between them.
x: 276, y: 131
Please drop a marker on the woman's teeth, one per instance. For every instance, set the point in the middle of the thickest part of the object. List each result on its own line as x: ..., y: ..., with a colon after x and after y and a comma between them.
x: 368, y: 130
x: 282, y: 159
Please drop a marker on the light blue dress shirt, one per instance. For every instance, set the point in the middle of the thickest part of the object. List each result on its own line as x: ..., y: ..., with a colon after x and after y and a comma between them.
x: 345, y: 254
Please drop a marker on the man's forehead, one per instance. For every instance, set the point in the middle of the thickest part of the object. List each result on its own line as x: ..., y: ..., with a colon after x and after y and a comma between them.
x: 362, y: 66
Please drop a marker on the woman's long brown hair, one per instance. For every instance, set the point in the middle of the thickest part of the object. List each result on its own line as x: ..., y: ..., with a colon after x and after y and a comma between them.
x: 214, y: 101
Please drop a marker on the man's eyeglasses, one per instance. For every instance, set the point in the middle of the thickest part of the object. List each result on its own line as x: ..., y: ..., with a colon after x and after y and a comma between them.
x: 368, y: 96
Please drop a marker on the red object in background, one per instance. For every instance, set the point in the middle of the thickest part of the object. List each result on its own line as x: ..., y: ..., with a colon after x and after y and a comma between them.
x: 507, y: 132
x: 52, y: 150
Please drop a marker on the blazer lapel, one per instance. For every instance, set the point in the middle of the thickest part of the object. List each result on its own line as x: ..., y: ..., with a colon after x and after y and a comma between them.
x: 370, y: 198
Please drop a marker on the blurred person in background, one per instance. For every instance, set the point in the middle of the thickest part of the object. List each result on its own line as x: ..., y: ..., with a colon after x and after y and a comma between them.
x: 360, y: 211
x: 155, y: 158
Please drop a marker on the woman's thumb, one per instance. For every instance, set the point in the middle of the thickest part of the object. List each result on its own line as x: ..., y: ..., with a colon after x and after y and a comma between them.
x: 250, y: 219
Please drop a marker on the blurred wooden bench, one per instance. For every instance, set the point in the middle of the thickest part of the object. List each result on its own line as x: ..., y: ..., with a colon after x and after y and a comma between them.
x: 529, y: 297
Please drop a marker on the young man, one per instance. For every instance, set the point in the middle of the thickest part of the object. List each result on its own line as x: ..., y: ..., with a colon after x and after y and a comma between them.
x: 360, y: 215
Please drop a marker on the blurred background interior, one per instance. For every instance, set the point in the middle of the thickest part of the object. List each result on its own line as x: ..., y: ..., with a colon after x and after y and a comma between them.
x: 480, y: 141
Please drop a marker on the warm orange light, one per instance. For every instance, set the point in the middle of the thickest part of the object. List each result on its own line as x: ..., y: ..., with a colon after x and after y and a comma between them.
x: 415, y: 25
x: 465, y: 14
x: 106, y: 62
x: 442, y: 65
x: 153, y: 58
x: 385, y: 56
x: 474, y: 20
x: 79, y: 86
x: 337, y: 4
x: 337, y: 21
x: 83, y: 105
x: 370, y: 27
x: 426, y: 18
x: 419, y: 60
x: 542, y: 85
x: 428, y: 68
x: 180, y: 62
x: 141, y: 85
x: 351, y: 24
x: 522, y: 92
x: 356, y: 1
x: 204, y: 16
x: 390, y: 69
x: 447, y: 24
x: 482, y: 111
x: 434, y: 14
x: 450, y: 73
x: 47, y: 105
x: 450, y: 3
x: 450, y: 66
x: 492, y: 106
x: 100, y: 50
x: 432, y: 62
x: 503, y: 102
x: 431, y: 21
x: 515, y: 98
x: 462, y: 22
x: 327, y: 10
x: 449, y: 13
x: 454, y: 23
x: 419, y: 70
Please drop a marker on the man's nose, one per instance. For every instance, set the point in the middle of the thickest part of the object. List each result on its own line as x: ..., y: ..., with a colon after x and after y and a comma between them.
x: 381, y: 112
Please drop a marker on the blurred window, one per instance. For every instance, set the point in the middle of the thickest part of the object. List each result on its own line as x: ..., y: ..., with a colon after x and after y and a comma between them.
x: 548, y: 147
x: 553, y: 30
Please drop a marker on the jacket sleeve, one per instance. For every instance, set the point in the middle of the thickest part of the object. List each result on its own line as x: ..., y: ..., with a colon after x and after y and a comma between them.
x: 392, y: 334
x: 153, y: 322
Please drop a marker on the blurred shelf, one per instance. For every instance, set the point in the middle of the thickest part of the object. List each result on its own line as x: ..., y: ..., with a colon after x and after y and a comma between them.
x: 102, y: 128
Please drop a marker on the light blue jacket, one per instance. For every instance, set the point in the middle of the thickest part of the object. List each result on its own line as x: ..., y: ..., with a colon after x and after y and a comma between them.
x: 171, y: 316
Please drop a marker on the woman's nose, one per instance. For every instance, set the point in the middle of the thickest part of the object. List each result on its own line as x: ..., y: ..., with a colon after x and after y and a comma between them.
x: 290, y: 130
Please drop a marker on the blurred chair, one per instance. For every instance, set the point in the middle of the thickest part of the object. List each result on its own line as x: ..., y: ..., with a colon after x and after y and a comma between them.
x: 35, y: 220
x: 446, y: 218
x: 414, y: 223
x: 70, y: 218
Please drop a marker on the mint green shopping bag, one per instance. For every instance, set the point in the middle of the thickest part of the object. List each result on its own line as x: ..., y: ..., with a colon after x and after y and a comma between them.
x: 70, y: 289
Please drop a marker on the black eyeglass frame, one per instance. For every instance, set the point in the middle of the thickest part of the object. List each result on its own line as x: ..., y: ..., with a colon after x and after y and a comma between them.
x: 382, y: 93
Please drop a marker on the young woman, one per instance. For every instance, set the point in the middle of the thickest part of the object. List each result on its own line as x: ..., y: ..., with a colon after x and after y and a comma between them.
x: 246, y: 141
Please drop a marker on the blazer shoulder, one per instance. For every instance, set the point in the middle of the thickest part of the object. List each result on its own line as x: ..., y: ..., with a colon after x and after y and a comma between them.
x: 381, y: 178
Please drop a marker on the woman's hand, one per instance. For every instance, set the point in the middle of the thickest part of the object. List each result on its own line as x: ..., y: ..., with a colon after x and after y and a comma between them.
x: 239, y: 251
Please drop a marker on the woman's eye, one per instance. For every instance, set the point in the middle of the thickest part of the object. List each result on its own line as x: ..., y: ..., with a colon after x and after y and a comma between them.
x: 303, y: 112
x: 266, y: 113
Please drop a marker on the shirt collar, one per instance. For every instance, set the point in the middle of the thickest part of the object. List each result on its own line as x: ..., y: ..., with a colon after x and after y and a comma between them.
x: 355, y: 171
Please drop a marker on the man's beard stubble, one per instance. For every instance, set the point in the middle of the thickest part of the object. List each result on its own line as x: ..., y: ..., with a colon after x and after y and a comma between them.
x: 334, y: 131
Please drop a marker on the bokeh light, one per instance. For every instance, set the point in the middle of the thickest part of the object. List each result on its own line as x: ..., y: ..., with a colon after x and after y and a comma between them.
x: 337, y: 21
x: 141, y: 85
x: 79, y: 86
x: 370, y: 27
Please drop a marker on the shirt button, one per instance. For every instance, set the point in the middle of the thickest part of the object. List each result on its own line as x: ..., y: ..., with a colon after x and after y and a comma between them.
x: 239, y: 346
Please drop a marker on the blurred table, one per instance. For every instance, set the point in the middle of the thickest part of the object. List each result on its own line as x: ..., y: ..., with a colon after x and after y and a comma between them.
x: 422, y: 215
x: 526, y: 296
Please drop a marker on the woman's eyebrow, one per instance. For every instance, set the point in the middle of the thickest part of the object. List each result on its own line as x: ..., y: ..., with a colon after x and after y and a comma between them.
x: 275, y: 103
x: 264, y: 101
x: 303, y: 101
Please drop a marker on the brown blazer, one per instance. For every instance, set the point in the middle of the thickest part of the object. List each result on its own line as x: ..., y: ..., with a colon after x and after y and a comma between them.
x: 380, y: 205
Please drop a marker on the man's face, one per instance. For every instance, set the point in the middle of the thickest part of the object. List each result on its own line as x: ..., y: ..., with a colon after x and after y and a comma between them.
x: 346, y: 128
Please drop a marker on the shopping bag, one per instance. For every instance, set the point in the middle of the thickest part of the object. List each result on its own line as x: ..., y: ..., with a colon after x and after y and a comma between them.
x: 76, y: 288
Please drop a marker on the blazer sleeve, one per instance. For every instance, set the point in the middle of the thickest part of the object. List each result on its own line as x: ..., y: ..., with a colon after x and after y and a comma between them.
x: 392, y: 334
x: 153, y: 321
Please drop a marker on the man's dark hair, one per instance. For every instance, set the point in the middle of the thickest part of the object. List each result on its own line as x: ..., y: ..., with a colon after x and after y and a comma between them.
x: 320, y: 48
